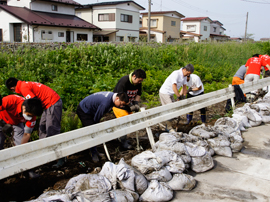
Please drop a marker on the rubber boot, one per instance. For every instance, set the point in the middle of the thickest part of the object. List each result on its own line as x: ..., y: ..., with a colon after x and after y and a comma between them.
x: 189, y: 118
x: 60, y: 163
x: 94, y: 154
x: 203, y: 118
x: 125, y: 142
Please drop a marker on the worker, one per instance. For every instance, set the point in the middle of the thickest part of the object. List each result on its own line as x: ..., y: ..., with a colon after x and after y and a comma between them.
x: 50, y: 121
x: 132, y: 85
x: 91, y: 109
x: 195, y: 89
x: 171, y: 86
x: 254, y: 66
x: 239, y: 76
x: 266, y: 64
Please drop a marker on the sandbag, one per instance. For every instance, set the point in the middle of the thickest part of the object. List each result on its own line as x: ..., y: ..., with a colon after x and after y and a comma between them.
x: 221, y: 146
x: 228, y: 121
x: 54, y: 195
x: 123, y: 196
x: 177, y: 147
x: 157, y: 191
x: 202, y: 163
x: 94, y: 182
x: 182, y: 182
x: 189, y: 138
x: 141, y: 182
x: 87, y: 196
x: 194, y: 150
x: 255, y: 123
x: 118, y: 172
x: 201, y: 132
x: 223, y: 130
x: 162, y: 175
x: 242, y: 119
x: 146, y: 162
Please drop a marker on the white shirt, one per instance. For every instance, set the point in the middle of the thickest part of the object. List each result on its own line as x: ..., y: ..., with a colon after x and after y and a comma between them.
x: 176, y: 77
x: 195, y: 82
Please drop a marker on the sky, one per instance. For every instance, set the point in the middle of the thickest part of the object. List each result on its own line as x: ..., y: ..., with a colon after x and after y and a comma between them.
x: 231, y: 13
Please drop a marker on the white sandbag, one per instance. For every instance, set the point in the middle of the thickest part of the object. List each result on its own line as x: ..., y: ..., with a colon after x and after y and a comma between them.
x: 228, y: 121
x: 236, y: 146
x: 189, y: 138
x: 87, y: 196
x: 141, y: 182
x: 165, y: 155
x: 176, y: 165
x: 186, y: 158
x: 201, y: 132
x: 195, y: 150
x: 254, y: 124
x: 118, y: 172
x: 266, y: 119
x: 123, y: 196
x: 162, y: 175
x: 202, y: 163
x: 267, y: 96
x: 55, y: 195
x: 94, y: 182
x: 182, y: 182
x: 146, y: 162
x: 157, y: 191
x: 223, y: 151
x: 177, y: 147
x: 236, y: 137
x: 220, y: 141
x: 167, y: 137
x: 223, y: 130
x: 242, y: 119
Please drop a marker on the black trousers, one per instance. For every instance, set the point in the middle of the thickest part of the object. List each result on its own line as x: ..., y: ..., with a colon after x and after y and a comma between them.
x: 203, y: 110
x: 86, y: 119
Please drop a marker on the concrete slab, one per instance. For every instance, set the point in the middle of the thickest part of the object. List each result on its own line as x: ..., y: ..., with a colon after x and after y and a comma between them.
x: 244, y: 177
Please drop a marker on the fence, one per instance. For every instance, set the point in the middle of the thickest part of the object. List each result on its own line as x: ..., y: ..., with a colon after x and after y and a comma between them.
x: 23, y: 157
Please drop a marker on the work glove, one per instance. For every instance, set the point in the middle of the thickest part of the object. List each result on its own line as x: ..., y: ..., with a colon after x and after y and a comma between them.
x: 181, y: 97
x: 7, y: 129
x: 135, y: 108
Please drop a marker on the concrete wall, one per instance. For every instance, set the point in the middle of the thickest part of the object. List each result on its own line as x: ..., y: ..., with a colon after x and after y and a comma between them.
x: 173, y: 31
x: 85, y: 14
x: 47, y: 7
x: 205, y: 34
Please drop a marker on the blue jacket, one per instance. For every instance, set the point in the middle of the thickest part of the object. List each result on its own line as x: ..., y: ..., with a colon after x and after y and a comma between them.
x: 97, y: 104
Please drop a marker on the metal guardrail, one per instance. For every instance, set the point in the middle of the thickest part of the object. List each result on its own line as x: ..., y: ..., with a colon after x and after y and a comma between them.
x: 23, y: 157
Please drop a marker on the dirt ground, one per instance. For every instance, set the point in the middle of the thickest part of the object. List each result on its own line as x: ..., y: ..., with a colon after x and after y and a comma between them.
x: 20, y: 188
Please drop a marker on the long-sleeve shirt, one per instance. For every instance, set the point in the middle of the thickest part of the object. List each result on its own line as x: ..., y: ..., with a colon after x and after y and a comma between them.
x: 97, y: 104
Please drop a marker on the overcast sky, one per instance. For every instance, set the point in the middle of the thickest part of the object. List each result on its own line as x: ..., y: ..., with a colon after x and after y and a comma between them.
x: 231, y: 13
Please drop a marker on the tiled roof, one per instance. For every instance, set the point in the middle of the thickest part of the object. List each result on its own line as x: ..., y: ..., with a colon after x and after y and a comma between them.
x: 216, y: 21
x: 195, y: 19
x: 111, y: 3
x: 164, y: 12
x: 189, y: 33
x: 47, y: 19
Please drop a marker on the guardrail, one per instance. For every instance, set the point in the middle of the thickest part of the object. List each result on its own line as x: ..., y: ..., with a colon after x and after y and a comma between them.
x: 23, y: 157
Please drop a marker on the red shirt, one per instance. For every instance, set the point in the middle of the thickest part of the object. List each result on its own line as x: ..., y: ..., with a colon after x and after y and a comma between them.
x: 254, y: 65
x: 265, y: 61
x: 11, y: 111
x: 30, y: 89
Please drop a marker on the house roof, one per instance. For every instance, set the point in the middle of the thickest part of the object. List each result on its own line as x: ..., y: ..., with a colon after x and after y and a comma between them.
x: 196, y: 19
x: 112, y: 3
x: 190, y: 33
x: 105, y: 32
x: 165, y: 12
x: 216, y: 21
x: 62, y: 1
x: 219, y: 35
x: 47, y: 19
x: 265, y: 39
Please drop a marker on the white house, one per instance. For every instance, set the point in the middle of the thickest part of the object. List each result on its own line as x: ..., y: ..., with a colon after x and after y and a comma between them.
x: 43, y: 21
x: 119, y: 20
x: 205, y: 27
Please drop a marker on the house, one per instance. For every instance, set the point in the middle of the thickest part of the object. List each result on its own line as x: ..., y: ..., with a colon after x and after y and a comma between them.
x: 264, y: 39
x: 119, y: 20
x: 43, y: 21
x: 208, y: 29
x: 237, y: 39
x: 165, y: 26
x: 184, y: 35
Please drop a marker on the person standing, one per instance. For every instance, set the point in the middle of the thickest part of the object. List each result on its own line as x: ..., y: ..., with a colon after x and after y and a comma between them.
x: 195, y: 89
x: 266, y: 64
x: 132, y: 85
x: 50, y: 121
x: 239, y: 76
x: 91, y: 109
x: 171, y: 86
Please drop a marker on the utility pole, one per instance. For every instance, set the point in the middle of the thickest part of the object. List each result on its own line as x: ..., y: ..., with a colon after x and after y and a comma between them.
x: 149, y: 20
x: 246, y: 27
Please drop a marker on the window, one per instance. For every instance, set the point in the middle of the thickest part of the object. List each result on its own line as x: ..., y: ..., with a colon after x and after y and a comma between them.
x: 61, y: 34
x: 153, y: 23
x: 46, y: 35
x: 173, y: 23
x: 205, y: 28
x: 214, y: 29
x: 54, y: 7
x: 126, y: 18
x: 82, y: 37
x: 191, y: 28
x: 1, y: 35
x: 121, y: 38
x: 106, y: 17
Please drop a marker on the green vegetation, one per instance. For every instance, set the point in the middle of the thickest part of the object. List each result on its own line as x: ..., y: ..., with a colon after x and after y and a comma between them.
x: 77, y: 70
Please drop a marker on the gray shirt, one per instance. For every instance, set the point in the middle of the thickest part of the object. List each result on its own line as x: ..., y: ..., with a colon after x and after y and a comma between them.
x: 241, y: 72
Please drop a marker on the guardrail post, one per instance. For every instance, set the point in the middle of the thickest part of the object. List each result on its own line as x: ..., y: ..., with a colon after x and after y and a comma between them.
x: 232, y: 99
x: 150, y: 134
